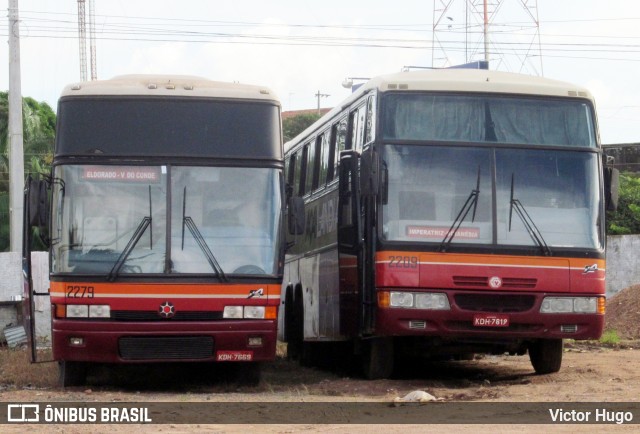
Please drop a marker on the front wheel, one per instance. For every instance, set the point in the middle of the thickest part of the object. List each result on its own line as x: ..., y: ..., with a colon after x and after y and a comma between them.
x: 72, y: 373
x: 377, y: 358
x: 546, y: 355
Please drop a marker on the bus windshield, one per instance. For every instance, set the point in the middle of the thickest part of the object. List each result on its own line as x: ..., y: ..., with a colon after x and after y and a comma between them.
x: 144, y: 217
x: 429, y: 185
x: 495, y: 119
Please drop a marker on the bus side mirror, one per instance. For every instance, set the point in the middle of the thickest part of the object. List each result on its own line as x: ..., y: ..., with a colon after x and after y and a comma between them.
x: 611, y: 187
x: 38, y: 197
x: 36, y: 207
x: 369, y: 172
x: 296, y: 216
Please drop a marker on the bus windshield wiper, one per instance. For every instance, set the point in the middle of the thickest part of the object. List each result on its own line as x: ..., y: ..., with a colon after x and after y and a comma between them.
x: 133, y: 241
x: 528, y: 222
x: 471, y: 202
x: 202, y: 243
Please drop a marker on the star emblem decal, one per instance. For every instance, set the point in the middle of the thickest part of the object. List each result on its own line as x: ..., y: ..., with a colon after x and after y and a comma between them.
x: 166, y: 310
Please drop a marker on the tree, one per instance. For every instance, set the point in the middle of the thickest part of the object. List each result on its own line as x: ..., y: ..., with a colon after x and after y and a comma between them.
x: 626, y: 219
x: 294, y: 125
x: 38, y: 124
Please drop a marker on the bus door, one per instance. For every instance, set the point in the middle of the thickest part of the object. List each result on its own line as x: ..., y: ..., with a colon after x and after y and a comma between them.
x: 349, y: 245
x: 36, y: 215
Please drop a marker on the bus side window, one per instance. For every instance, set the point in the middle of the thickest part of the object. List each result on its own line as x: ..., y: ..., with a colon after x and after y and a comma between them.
x: 329, y: 147
x: 339, y: 142
x: 357, y: 120
x: 296, y: 161
x: 322, y: 159
x: 304, y: 170
x: 290, y: 167
x: 369, y: 131
x: 311, y: 173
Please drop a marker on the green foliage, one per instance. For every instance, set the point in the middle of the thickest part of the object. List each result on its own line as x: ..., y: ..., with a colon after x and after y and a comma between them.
x: 39, y: 127
x: 610, y: 337
x: 294, y: 125
x: 626, y: 219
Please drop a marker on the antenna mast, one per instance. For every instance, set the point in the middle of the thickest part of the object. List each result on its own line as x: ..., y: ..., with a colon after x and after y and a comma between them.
x: 505, y: 32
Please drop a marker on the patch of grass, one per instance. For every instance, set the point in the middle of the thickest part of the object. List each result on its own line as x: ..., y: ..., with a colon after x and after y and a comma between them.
x: 17, y: 370
x: 610, y: 337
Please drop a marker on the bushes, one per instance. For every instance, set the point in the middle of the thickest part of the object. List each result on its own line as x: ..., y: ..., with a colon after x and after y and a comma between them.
x: 626, y: 219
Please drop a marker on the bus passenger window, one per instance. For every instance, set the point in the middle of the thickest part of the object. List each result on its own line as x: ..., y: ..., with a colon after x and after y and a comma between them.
x: 331, y: 152
x: 310, y: 172
x: 289, y: 168
x: 340, y: 142
x: 296, y: 161
x: 323, y: 151
x: 369, y: 131
x: 303, y: 171
x: 357, y: 119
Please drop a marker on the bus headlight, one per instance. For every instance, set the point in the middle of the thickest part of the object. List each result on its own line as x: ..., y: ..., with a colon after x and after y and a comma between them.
x: 569, y: 305
x: 401, y: 299
x: 99, y: 311
x: 77, y: 311
x: 418, y: 300
x: 432, y: 301
x: 254, y: 312
x: 232, y: 312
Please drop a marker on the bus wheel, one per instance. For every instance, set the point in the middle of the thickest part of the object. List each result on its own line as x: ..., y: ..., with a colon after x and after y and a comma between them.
x: 295, y: 343
x: 546, y: 355
x: 250, y: 373
x: 377, y: 358
x: 72, y: 373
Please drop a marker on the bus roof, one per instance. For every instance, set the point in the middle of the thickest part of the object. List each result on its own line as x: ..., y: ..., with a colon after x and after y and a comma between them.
x: 467, y: 80
x: 457, y: 80
x: 168, y: 85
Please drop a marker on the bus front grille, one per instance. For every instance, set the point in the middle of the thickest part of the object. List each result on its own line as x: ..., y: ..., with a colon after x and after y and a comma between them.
x: 495, y: 302
x: 165, y: 347
x: 145, y: 315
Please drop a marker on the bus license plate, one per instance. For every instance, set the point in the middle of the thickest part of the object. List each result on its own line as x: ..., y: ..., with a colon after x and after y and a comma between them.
x: 490, y: 320
x: 234, y: 356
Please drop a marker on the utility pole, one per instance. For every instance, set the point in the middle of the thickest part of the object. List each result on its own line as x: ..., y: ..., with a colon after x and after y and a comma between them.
x: 16, y: 151
x: 92, y: 41
x: 82, y: 40
x: 320, y: 95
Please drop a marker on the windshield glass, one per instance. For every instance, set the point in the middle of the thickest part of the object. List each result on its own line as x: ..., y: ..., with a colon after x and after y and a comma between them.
x: 558, y: 190
x: 100, y: 210
x: 235, y: 212
x: 428, y: 187
x: 479, y: 118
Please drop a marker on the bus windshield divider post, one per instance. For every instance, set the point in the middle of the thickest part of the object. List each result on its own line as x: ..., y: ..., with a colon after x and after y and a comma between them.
x: 528, y: 222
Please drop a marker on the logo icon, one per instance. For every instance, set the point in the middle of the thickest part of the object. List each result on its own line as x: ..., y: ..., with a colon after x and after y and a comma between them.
x: 166, y: 310
x: 256, y: 293
x: 23, y: 413
x: 495, y: 282
x: 590, y: 269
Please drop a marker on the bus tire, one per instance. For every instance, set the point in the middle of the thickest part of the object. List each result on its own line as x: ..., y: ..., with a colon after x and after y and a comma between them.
x: 72, y: 373
x: 546, y: 355
x: 377, y: 358
x: 250, y: 373
x: 296, y: 324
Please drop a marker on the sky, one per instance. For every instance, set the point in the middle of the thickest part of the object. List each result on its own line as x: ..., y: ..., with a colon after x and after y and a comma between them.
x: 304, y: 48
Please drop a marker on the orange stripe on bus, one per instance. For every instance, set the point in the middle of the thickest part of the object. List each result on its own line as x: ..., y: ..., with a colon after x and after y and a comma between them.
x: 481, y: 259
x: 169, y: 289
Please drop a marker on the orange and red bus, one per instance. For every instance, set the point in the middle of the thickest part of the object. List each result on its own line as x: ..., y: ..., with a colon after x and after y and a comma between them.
x: 163, y: 214
x: 448, y: 213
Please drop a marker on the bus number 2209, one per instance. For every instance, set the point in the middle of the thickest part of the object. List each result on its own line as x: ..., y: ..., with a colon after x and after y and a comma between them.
x: 403, y: 262
x: 79, y: 291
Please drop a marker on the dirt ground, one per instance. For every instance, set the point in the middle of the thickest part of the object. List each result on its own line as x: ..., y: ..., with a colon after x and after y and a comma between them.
x: 591, y: 372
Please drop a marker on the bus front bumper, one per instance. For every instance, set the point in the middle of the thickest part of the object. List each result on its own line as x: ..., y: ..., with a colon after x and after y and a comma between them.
x: 144, y: 342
